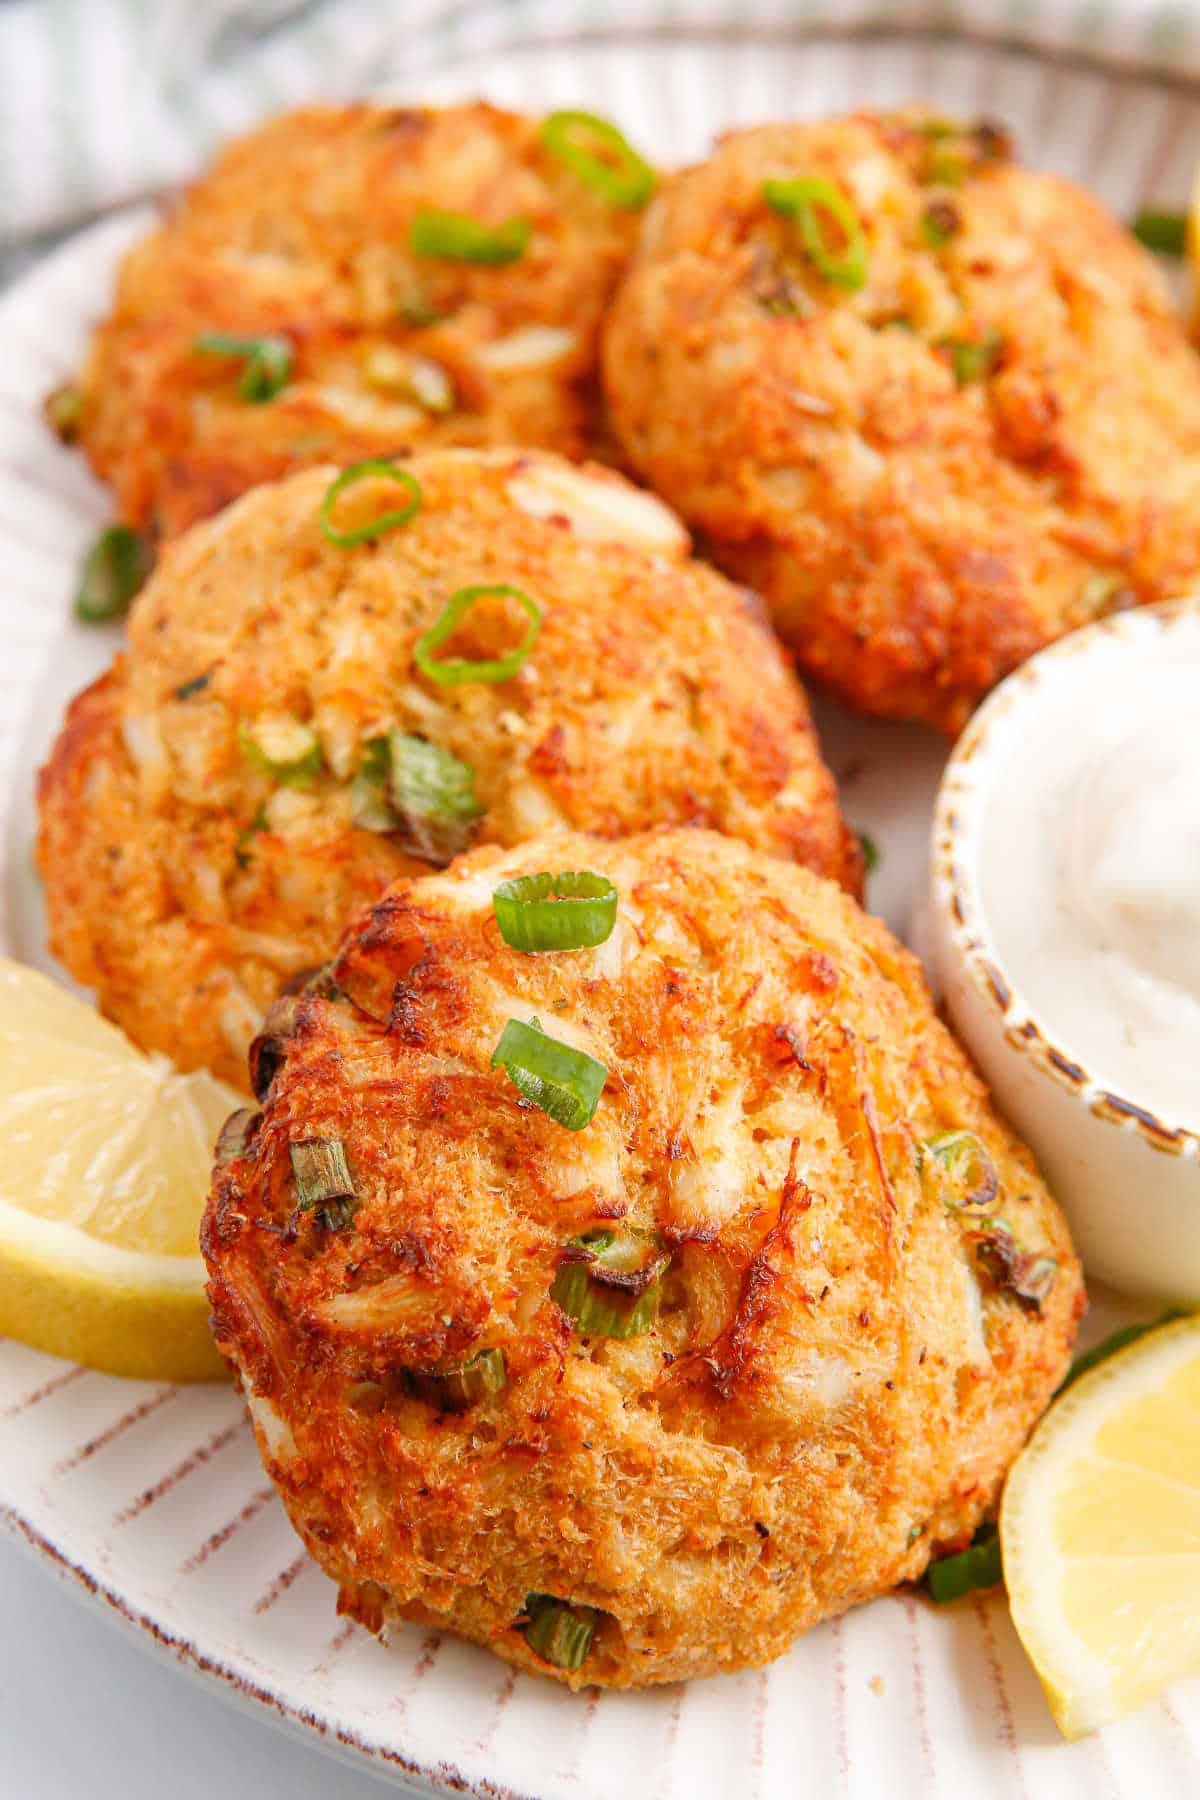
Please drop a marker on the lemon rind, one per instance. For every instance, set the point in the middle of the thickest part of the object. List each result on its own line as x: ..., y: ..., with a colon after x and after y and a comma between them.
x: 1079, y: 1686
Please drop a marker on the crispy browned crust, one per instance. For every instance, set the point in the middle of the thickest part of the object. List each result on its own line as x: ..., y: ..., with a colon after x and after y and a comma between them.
x: 301, y: 228
x: 833, y: 1387
x: 655, y: 695
x: 916, y: 539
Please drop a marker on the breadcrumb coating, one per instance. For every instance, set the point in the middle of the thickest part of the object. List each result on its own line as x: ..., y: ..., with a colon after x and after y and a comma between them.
x: 991, y: 440
x: 185, y: 882
x: 846, y: 1345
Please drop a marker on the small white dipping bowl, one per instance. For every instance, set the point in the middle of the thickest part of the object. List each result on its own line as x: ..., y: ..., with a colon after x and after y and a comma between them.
x: 1124, y: 1165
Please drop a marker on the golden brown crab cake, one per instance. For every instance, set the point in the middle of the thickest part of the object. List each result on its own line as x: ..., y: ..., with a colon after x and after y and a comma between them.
x: 938, y: 410
x: 640, y: 1398
x: 270, y: 752
x: 303, y: 232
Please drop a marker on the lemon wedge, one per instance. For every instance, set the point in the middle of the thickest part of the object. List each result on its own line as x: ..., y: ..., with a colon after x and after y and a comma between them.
x: 1100, y: 1532
x: 105, y: 1158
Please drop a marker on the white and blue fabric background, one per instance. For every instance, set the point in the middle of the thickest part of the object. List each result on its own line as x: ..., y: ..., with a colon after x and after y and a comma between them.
x: 105, y: 101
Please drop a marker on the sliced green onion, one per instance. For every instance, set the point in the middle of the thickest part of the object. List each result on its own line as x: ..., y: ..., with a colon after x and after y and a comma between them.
x: 973, y: 359
x: 245, y: 837
x: 979, y: 1566
x: 1116, y: 1340
x: 608, y: 1283
x: 557, y: 1631
x: 417, y: 310
x: 406, y: 785
x: 1163, y: 232
x: 571, y: 911
x: 956, y: 1170
x: 235, y: 1134
x: 267, y: 362
x: 939, y: 222
x: 323, y: 1181
x: 566, y: 1083
x: 386, y: 521
x: 285, y: 749
x: 63, y: 410
x: 196, y: 685
x: 627, y: 181
x: 1022, y: 1273
x: 432, y: 795
x: 804, y: 198
x: 454, y: 671
x: 944, y: 167
x: 461, y: 238
x: 114, y: 569
x: 463, y: 1385
x: 870, y: 852
x: 418, y: 378
x: 370, y: 807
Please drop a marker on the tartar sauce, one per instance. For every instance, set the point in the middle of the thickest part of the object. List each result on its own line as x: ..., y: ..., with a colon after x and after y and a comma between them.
x: 1091, y: 860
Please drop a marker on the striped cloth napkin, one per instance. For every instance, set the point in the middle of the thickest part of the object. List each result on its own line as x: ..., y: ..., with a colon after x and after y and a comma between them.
x: 105, y: 101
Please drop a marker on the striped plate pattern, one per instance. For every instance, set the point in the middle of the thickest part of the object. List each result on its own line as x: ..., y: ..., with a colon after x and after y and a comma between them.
x: 152, y: 1499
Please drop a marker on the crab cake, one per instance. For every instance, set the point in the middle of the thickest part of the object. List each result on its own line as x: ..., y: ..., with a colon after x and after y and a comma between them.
x: 345, y: 283
x: 935, y: 407
x: 629, y: 1309
x: 299, y: 721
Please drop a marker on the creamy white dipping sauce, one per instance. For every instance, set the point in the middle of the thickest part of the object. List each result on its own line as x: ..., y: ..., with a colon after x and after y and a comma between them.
x: 1091, y: 864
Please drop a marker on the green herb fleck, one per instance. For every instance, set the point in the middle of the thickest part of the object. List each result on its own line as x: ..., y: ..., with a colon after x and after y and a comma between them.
x: 1163, y: 232
x: 979, y: 1566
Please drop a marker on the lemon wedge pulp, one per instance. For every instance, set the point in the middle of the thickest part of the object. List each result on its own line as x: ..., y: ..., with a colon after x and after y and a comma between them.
x: 105, y: 1158
x: 1100, y: 1530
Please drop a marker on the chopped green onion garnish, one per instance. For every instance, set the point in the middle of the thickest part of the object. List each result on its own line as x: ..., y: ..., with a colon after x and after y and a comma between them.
x: 432, y: 794
x: 417, y: 310
x: 245, y: 837
x: 1022, y: 1273
x: 64, y: 412
x: 196, y: 685
x: 979, y: 1566
x: 805, y: 198
x: 235, y: 1134
x: 939, y: 222
x: 625, y: 179
x: 956, y: 1170
x: 1117, y: 1340
x: 285, y: 749
x: 416, y: 377
x: 608, y: 1283
x: 870, y: 852
x: 973, y: 359
x: 267, y: 362
x: 557, y: 1631
x: 453, y: 671
x: 386, y: 521
x: 571, y: 911
x: 464, y: 1385
x: 370, y: 807
x: 407, y: 785
x: 323, y: 1180
x: 566, y: 1083
x: 1163, y: 232
x: 460, y: 238
x: 944, y: 167
x: 115, y: 567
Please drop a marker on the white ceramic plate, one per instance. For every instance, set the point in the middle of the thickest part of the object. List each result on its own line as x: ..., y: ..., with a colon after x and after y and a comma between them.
x: 151, y: 1499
